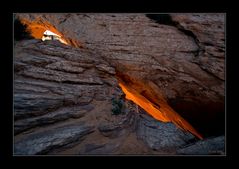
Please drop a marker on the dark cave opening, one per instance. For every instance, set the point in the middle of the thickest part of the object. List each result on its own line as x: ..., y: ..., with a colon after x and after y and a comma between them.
x: 207, y: 118
x: 165, y: 19
x: 149, y: 99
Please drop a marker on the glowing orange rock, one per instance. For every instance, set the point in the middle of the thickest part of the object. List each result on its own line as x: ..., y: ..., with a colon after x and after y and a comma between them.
x: 37, y: 29
x: 38, y: 26
x: 164, y: 113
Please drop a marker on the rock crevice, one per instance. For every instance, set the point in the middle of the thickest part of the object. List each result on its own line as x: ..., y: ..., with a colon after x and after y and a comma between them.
x: 177, y: 64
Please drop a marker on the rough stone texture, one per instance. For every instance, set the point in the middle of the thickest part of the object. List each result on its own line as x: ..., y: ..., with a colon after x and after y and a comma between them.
x: 38, y: 89
x: 209, y: 30
x: 51, y: 88
x: 52, y: 117
x: 100, y: 149
x: 179, y: 62
x: 123, y: 125
x: 42, y: 143
x: 183, y: 57
x: 210, y: 146
x: 161, y: 136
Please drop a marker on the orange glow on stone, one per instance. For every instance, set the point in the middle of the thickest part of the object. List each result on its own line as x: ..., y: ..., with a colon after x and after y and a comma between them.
x: 143, y: 103
x: 37, y: 29
x: 39, y: 26
x: 164, y: 113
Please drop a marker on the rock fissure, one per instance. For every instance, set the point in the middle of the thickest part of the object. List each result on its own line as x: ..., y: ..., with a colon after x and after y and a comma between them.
x: 153, y: 66
x: 166, y: 19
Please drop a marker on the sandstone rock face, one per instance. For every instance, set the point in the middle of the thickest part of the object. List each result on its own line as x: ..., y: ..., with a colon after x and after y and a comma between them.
x: 174, y: 61
x: 209, y: 31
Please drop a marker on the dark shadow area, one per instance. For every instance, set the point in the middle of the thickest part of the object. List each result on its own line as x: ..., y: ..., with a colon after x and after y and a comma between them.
x: 164, y: 19
x: 208, y: 119
x: 20, y: 31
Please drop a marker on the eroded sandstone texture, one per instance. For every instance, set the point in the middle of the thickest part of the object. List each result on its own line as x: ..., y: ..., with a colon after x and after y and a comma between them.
x: 175, y: 61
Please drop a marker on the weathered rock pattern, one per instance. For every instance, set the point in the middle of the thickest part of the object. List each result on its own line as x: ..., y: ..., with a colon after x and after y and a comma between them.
x: 52, y: 117
x: 172, y: 60
x: 210, y: 146
x: 209, y: 34
x: 161, y: 136
x: 170, y: 53
x: 53, y: 84
x: 43, y: 142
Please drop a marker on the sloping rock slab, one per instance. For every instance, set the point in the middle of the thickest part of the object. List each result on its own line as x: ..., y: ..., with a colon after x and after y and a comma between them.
x: 52, y: 117
x: 211, y: 146
x: 45, y: 142
x: 161, y: 136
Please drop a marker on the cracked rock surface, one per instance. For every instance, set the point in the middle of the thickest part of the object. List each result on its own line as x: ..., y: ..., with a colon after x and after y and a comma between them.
x: 177, y: 58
